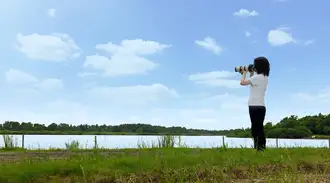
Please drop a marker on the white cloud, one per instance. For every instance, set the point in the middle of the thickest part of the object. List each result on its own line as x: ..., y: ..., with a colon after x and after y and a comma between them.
x: 309, y: 42
x: 218, y: 113
x: 228, y: 101
x: 50, y: 84
x: 138, y: 94
x: 223, y: 111
x: 17, y: 77
x: 128, y: 58
x: 52, y: 47
x: 212, y: 75
x: 216, y: 78
x: 189, y: 117
x: 120, y: 64
x: 246, y: 13
x: 58, y: 111
x: 66, y: 111
x: 51, y: 12
x: 247, y: 33
x: 85, y: 74
x: 318, y: 97
x: 280, y: 36
x: 210, y: 44
x: 311, y: 103
x: 137, y: 47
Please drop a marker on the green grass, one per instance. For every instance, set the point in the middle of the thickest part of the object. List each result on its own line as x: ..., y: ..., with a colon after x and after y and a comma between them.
x: 321, y: 136
x: 73, y: 145
x: 161, y: 162
x: 175, y: 165
x: 167, y: 141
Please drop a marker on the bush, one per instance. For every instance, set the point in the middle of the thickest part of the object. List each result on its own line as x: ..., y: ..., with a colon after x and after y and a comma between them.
x: 299, y: 132
x: 73, y: 145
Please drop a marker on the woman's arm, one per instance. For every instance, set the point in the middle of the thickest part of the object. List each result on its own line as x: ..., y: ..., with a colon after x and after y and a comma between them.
x: 244, y: 81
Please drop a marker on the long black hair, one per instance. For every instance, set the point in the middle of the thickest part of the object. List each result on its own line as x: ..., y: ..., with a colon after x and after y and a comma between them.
x: 262, y: 66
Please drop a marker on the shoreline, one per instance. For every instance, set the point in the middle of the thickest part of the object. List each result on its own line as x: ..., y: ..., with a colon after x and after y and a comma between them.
x: 56, y: 133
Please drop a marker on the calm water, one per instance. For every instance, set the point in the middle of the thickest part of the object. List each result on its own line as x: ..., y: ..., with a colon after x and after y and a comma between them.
x: 121, y: 141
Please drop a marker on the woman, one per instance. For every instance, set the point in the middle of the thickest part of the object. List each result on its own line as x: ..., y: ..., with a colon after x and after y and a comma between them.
x: 257, y: 109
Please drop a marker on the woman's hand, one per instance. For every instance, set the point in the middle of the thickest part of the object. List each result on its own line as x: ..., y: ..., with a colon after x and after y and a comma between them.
x: 251, y: 73
x: 243, y: 80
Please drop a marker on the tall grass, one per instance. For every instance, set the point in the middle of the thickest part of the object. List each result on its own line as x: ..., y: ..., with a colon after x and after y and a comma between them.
x: 166, y: 141
x: 9, y: 142
x: 72, y: 145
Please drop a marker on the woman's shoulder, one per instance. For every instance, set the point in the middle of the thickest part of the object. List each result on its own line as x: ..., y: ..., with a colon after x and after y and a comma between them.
x: 261, y: 76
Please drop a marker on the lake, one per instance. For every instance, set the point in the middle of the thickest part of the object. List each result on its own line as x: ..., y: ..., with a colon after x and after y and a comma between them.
x: 132, y: 141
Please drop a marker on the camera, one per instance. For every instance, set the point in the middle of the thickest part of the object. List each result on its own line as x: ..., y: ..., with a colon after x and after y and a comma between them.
x: 249, y: 68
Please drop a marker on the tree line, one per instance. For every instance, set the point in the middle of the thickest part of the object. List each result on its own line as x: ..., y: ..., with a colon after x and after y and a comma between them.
x: 288, y: 127
x: 15, y: 127
x: 293, y: 127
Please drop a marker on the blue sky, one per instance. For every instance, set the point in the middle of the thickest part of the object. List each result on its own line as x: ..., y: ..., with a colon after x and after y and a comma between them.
x: 160, y: 62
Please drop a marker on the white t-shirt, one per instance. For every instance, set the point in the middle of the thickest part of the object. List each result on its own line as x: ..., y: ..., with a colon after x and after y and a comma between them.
x: 258, y: 88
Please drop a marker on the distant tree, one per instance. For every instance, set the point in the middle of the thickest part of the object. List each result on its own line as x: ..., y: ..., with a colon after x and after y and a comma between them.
x: 288, y: 127
x: 139, y: 130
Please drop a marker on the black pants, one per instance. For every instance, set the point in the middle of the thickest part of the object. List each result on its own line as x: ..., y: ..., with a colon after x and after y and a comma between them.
x: 257, y: 117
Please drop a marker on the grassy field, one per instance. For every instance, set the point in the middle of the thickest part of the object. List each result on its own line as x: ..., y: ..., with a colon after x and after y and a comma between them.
x: 161, y: 162
x: 169, y: 165
x: 321, y: 136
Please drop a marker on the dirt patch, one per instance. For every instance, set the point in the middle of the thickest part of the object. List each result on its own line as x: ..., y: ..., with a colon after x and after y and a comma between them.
x: 64, y: 154
x: 145, y: 178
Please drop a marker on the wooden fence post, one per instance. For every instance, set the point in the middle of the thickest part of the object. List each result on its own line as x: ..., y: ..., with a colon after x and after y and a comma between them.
x: 95, y: 142
x: 23, y: 139
x: 329, y: 142
x: 276, y: 142
x: 223, y: 141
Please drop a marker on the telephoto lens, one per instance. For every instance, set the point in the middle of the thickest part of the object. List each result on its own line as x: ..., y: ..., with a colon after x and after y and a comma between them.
x: 249, y: 68
x: 238, y: 68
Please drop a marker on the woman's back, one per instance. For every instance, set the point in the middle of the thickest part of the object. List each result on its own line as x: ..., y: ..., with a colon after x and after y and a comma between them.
x: 258, y: 88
